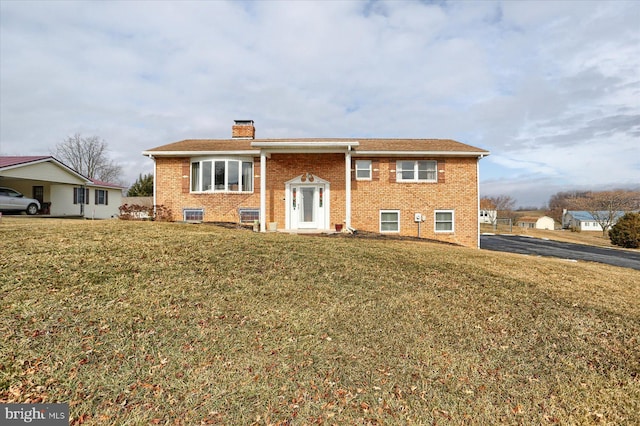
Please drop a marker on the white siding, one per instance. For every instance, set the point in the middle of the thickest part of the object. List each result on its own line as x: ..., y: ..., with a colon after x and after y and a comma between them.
x: 101, y: 211
x: 545, y: 222
x: 62, y: 201
x: 45, y: 171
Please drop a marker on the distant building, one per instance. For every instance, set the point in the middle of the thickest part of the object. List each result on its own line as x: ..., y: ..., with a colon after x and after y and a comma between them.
x: 488, y: 216
x: 585, y: 221
x: 534, y: 222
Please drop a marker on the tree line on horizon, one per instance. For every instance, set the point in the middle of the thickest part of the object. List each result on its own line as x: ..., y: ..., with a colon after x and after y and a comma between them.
x: 602, y: 205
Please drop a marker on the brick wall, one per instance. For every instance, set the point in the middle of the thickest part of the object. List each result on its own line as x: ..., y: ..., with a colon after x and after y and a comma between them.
x: 457, y: 190
x: 284, y: 167
x: 172, y: 190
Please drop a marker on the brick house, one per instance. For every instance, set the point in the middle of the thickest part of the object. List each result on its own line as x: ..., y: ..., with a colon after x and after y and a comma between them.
x: 411, y: 187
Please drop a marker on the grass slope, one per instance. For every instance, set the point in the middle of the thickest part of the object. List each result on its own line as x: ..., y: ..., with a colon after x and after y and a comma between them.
x: 155, y: 323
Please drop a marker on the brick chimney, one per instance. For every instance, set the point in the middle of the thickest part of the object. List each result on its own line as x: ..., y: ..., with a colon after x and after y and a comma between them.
x: 243, y: 129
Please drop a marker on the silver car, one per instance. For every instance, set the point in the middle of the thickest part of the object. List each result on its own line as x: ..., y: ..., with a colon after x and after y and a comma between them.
x: 12, y: 200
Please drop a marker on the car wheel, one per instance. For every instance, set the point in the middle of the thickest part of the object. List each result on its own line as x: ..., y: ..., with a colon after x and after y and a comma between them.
x: 32, y: 209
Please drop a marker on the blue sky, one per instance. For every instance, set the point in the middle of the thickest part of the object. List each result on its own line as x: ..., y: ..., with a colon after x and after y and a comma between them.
x: 552, y: 89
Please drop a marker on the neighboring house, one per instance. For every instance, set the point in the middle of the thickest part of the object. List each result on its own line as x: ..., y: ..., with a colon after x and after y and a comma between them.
x: 584, y: 221
x: 61, y: 190
x: 377, y: 185
x: 535, y: 222
x: 488, y: 216
x: 488, y: 212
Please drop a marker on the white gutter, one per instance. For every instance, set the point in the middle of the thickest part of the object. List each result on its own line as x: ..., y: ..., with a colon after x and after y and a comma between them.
x: 307, y: 144
x: 347, y: 189
x: 154, y: 184
x: 478, y: 194
x: 478, y: 198
x: 420, y: 154
x: 246, y: 152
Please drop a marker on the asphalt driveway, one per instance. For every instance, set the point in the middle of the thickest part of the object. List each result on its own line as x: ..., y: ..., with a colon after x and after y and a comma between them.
x: 578, y: 252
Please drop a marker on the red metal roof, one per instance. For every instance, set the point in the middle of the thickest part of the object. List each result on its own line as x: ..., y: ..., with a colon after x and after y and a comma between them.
x: 101, y: 183
x: 17, y: 160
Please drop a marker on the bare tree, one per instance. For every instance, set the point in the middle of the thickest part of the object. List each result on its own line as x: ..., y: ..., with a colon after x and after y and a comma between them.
x: 88, y: 156
x: 605, y: 206
x: 561, y: 201
x: 503, y: 204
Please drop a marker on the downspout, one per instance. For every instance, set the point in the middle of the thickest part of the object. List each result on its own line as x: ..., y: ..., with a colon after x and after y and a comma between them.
x: 84, y: 199
x: 263, y: 191
x: 347, y: 187
x: 154, y: 185
x: 478, y: 196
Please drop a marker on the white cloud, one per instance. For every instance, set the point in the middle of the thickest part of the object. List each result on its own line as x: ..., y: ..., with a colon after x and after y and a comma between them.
x: 551, y: 88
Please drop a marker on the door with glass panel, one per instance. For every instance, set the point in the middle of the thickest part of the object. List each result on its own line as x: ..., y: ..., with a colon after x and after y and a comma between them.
x: 306, y: 206
x: 307, y: 211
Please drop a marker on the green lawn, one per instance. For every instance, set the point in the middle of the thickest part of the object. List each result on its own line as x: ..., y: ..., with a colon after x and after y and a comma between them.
x: 160, y: 323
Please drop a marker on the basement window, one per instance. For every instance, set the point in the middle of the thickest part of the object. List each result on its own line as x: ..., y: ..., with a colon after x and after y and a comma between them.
x: 443, y: 220
x: 389, y: 220
x: 248, y: 215
x: 193, y: 215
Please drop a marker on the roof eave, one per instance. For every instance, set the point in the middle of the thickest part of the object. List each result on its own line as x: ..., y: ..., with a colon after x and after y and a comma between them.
x: 420, y: 154
x: 311, y: 145
x: 198, y: 153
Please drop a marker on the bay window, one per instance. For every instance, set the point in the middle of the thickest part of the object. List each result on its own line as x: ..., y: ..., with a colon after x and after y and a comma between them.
x: 222, y: 175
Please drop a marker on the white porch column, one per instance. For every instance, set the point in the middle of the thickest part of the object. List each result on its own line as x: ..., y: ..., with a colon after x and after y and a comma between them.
x: 263, y: 191
x: 347, y: 187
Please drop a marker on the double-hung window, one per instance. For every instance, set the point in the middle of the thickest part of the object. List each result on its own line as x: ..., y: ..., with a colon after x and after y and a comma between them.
x: 443, y: 220
x: 222, y: 175
x: 80, y: 195
x: 102, y: 196
x: 417, y: 171
x: 363, y: 169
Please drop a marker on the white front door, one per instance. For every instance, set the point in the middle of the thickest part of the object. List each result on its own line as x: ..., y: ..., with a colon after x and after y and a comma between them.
x: 307, y: 203
x: 307, y: 206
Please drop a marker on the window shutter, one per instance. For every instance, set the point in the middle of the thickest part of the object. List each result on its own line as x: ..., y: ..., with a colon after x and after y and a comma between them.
x: 375, y: 169
x: 75, y: 195
x: 106, y: 197
x: 440, y: 177
x: 95, y: 201
x: 86, y: 196
x: 392, y: 171
x: 186, y: 169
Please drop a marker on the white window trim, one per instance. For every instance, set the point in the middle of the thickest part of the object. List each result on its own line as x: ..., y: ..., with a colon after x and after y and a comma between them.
x: 380, y: 221
x: 453, y: 222
x: 104, y: 197
x: 184, y: 214
x: 226, y: 160
x: 369, y: 169
x: 415, y: 179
